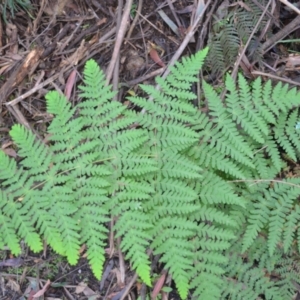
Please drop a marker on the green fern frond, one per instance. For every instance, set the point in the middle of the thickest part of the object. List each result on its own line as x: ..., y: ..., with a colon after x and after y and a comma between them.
x: 282, y: 134
x: 30, y: 148
x: 205, y: 284
x: 94, y: 88
x: 289, y: 228
x: 134, y: 225
x: 252, y: 271
x: 258, y: 218
x: 198, y: 189
x: 225, y: 125
x: 245, y: 113
x: 231, y: 32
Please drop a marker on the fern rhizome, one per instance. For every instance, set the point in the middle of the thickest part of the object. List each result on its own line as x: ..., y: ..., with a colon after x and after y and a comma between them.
x: 196, y: 186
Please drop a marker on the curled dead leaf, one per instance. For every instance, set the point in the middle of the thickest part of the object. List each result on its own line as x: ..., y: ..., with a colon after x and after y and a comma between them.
x: 154, y: 55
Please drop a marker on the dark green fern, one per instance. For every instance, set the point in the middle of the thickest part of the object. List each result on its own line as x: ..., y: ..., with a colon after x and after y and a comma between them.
x: 13, y: 6
x: 230, y: 34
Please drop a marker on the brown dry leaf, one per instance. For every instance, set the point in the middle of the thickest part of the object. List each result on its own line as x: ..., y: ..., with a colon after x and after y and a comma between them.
x: 158, y: 285
x: 37, y: 260
x: 293, y: 61
x: 70, y: 84
x: 55, y: 7
x: 76, y: 56
x: 80, y: 287
x: 26, y: 68
x: 89, y: 292
x: 4, y: 68
x: 83, y: 288
x: 13, y: 285
x: 12, y: 34
x: 82, y: 251
x: 30, y: 63
x: 82, y: 248
x: 43, y: 290
x: 154, y: 55
x: 61, y: 6
x: 241, y: 4
x: 119, y: 277
x: 10, y: 152
x: 6, y: 144
x: 14, y: 56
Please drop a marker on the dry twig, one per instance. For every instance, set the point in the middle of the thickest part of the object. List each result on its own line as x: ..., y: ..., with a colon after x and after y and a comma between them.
x: 119, y: 41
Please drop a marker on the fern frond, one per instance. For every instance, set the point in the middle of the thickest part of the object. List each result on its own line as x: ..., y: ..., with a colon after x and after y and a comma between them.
x: 224, y: 124
x: 29, y: 148
x: 94, y: 87
x: 231, y: 32
x: 282, y: 138
x: 172, y: 234
x: 178, y: 261
x: 245, y: 113
x: 23, y: 225
x: 200, y: 190
x: 216, y: 59
x: 8, y: 236
x: 257, y: 220
x: 134, y: 226
x: 94, y: 234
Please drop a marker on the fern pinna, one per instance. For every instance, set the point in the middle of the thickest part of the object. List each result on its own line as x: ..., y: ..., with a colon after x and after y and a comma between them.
x: 197, y: 189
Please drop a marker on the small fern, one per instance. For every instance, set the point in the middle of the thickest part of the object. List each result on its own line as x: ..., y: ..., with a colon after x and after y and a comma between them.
x: 231, y: 32
x: 13, y: 6
x: 198, y: 189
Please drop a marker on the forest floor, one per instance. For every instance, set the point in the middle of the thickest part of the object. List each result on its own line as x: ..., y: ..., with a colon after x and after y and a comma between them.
x: 45, y: 46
